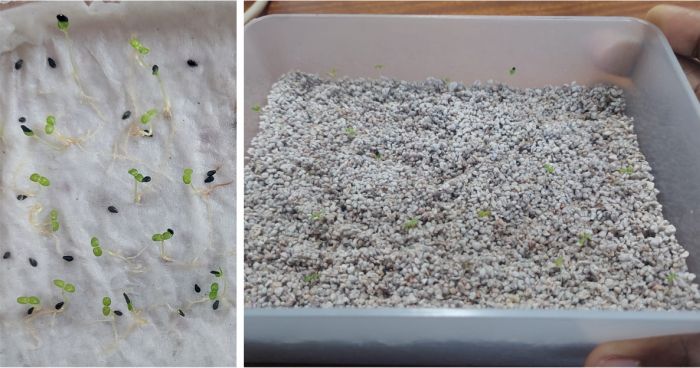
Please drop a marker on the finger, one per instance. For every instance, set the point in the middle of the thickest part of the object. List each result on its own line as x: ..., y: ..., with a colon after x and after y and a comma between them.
x: 678, y: 350
x: 691, y: 68
x: 681, y: 27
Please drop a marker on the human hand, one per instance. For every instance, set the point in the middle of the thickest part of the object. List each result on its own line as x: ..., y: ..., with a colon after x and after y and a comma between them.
x: 681, y: 27
x: 677, y: 350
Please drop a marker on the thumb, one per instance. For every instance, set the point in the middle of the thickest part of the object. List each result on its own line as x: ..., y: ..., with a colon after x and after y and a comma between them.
x: 677, y: 350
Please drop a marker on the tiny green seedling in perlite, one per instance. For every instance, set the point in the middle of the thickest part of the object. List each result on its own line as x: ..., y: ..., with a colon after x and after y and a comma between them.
x: 411, y: 223
x: 312, y: 278
x: 138, y: 178
x: 671, y: 278
x: 316, y: 215
x: 549, y: 168
x: 166, y: 235
x: 351, y: 132
x: 483, y: 213
x: 584, y: 239
x: 559, y: 262
x: 627, y: 170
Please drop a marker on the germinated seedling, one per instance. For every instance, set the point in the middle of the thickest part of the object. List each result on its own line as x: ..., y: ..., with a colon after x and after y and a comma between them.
x: 50, y: 130
x: 332, y: 73
x: 411, y: 223
x: 155, y: 70
x: 671, y: 278
x: 96, y: 248
x: 628, y: 170
x: 146, y: 120
x: 549, y: 168
x: 256, y: 108
x: 32, y: 301
x: 63, y: 25
x: 167, y: 234
x: 187, y: 179
x: 351, y: 132
x: 214, y: 294
x: 39, y: 179
x: 512, y: 71
x: 138, y: 178
x: 316, y: 215
x: 484, y: 213
x: 559, y: 262
x: 584, y: 238
x: 312, y: 278
x: 65, y: 287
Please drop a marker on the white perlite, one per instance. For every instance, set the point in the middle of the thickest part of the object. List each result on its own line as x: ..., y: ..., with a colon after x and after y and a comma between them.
x: 390, y: 193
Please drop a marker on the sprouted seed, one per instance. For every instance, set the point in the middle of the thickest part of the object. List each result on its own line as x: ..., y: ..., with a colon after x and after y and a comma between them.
x: 138, y: 178
x: 33, y: 262
x: 128, y: 303
x: 512, y: 71
x: 483, y: 213
x: 138, y: 46
x: 63, y: 23
x: 53, y: 216
x: 146, y: 118
x: 18, y: 64
x: 96, y: 249
x: 549, y: 168
x: 64, y: 286
x: 180, y: 312
x: 214, y: 291
x: 106, y: 302
x: 41, y: 180
x: 583, y: 239
x: 154, y: 69
x: 68, y: 258
x: 32, y: 300
x: 52, y: 62
x: 50, y: 124
x: 28, y: 132
x: 216, y: 273
x: 187, y: 176
x: 162, y: 238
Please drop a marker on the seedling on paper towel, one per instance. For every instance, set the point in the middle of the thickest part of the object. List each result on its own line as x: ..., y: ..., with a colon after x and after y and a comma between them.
x: 155, y: 70
x: 41, y: 180
x: 187, y: 179
x: 65, y: 287
x: 63, y: 25
x: 138, y: 178
x: 167, y: 234
x: 96, y: 249
x: 53, y: 218
x: 33, y: 301
x: 146, y: 120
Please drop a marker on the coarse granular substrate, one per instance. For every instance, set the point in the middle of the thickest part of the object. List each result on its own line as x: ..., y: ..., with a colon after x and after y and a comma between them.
x: 390, y: 193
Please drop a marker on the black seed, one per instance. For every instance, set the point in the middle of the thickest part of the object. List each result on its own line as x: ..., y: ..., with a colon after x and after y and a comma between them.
x: 126, y: 297
x: 119, y: 313
x: 68, y: 258
x: 21, y: 197
x: 154, y: 69
x: 52, y: 62
x: 171, y: 231
x: 126, y: 114
x: 192, y: 63
x: 215, y: 273
x: 6, y: 255
x: 59, y: 305
x: 209, y: 179
x: 62, y: 18
x: 148, y: 133
x: 146, y: 179
x: 197, y: 288
x: 112, y: 209
x: 25, y: 129
x: 211, y: 172
x: 18, y: 64
x: 30, y: 310
x: 181, y: 312
x: 33, y: 262
x: 216, y: 305
x: 22, y: 119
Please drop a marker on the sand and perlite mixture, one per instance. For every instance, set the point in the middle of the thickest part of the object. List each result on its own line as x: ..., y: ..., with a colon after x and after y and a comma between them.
x: 391, y: 193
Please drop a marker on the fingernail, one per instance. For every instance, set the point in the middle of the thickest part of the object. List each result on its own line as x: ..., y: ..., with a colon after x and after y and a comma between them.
x: 619, y: 362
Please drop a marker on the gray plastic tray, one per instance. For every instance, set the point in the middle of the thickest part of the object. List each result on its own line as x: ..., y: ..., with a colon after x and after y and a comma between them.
x: 546, y: 51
